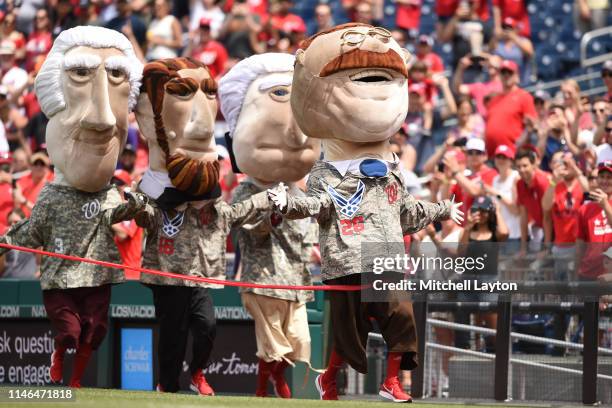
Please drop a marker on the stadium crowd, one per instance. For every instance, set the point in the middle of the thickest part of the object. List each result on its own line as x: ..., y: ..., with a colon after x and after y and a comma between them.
x: 533, y: 170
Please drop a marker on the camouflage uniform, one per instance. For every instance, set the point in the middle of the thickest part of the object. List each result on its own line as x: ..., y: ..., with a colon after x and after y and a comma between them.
x: 276, y: 251
x: 189, y: 242
x: 192, y: 242
x: 360, y: 218
x: 73, y: 222
x: 65, y: 220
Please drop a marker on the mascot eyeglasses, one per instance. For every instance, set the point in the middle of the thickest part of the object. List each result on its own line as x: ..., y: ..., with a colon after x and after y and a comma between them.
x: 354, y: 37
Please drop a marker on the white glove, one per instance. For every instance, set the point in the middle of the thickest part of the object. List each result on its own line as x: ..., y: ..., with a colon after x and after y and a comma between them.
x: 456, y: 214
x: 278, y: 196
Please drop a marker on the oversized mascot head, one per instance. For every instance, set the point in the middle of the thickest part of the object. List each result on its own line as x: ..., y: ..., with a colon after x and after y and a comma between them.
x: 176, y: 113
x: 267, y: 143
x: 86, y: 86
x: 350, y: 84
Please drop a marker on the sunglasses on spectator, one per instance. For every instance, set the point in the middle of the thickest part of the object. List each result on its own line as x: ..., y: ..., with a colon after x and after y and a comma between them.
x: 474, y: 152
x: 601, y: 110
x: 506, y: 72
x: 39, y: 163
x: 606, y: 74
x: 608, y: 129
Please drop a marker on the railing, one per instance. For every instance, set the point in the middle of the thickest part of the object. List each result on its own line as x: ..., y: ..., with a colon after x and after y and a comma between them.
x: 584, y: 41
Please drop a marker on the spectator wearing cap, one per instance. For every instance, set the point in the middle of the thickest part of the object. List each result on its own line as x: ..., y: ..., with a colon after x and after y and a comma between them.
x: 469, y: 184
x: 595, y: 225
x: 424, y: 52
x: 480, y: 92
x: 40, y: 39
x: 323, y: 19
x: 419, y: 73
x: 6, y: 190
x: 606, y: 76
x: 164, y: 35
x: 591, y: 15
x: 466, y: 31
x: 211, y: 12
x: 29, y: 186
x: 14, y: 78
x: 514, y: 9
x: 12, y: 122
x: 128, y: 235
x: 510, y: 45
x: 283, y: 21
x: 541, y: 102
x: 130, y: 25
x: 555, y: 136
x: 206, y: 50
x: 509, y: 112
x: 127, y: 159
x: 18, y: 264
x: 503, y: 190
x: 10, y: 33
x: 422, y: 120
x: 530, y: 190
x: 408, y: 15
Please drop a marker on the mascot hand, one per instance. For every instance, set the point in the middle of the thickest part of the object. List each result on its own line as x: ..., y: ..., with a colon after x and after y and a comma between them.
x: 278, y: 196
x: 136, y: 200
x: 456, y: 214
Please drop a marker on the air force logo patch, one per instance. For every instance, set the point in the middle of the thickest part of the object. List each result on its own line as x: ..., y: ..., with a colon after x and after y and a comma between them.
x: 170, y: 227
x: 347, y: 206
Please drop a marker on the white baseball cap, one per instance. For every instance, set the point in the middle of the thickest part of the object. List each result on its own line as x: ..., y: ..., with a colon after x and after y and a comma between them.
x: 475, y: 143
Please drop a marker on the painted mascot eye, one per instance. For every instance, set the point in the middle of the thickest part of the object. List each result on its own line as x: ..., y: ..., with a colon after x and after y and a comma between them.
x: 280, y: 93
x: 80, y: 74
x: 117, y: 76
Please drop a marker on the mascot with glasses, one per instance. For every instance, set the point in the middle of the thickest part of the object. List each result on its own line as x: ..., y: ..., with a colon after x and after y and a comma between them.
x: 86, y: 87
x: 350, y: 89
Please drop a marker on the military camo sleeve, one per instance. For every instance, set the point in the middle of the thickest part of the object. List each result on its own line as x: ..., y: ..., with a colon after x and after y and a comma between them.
x: 29, y: 232
x: 248, y: 210
x: 417, y: 214
x: 124, y: 211
x: 316, y: 204
x: 259, y: 225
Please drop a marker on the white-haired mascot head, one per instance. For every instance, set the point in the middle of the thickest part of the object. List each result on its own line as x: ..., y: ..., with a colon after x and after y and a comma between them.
x: 265, y: 140
x: 86, y: 87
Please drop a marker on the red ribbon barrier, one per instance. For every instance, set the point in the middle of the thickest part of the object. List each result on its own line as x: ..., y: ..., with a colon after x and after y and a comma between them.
x: 183, y: 277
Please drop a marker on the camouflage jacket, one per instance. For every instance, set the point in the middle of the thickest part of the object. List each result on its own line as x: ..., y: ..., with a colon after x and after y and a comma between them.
x: 275, y: 251
x: 192, y: 242
x: 361, y: 218
x: 73, y: 222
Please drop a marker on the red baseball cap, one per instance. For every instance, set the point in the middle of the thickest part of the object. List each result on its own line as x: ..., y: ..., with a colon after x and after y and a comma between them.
x: 509, y: 65
x: 6, y: 158
x: 605, y: 165
x: 504, y: 150
x: 205, y: 22
x: 510, y: 22
x: 123, y: 176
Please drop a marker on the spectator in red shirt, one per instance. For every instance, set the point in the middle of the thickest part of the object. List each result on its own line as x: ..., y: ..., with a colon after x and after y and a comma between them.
x: 284, y: 21
x: 128, y: 235
x: 206, y: 50
x: 408, y: 14
x: 530, y: 191
x: 9, y: 32
x: 40, y: 40
x: 479, y: 91
x: 424, y: 53
x: 6, y: 191
x: 508, y: 112
x: 595, y: 226
x: 28, y: 187
x: 516, y: 9
x: 563, y: 198
x: 470, y: 184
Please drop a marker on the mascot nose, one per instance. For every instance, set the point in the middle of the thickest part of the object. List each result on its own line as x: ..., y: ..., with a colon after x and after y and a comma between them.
x: 99, y: 115
x: 375, y: 44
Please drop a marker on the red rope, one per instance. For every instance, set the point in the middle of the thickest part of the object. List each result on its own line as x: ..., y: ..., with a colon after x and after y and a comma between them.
x: 184, y: 277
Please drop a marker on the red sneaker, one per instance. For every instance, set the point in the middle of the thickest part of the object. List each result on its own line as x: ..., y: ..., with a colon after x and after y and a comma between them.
x: 392, y: 390
x: 327, y: 390
x: 281, y: 388
x: 261, y: 393
x: 57, y: 366
x: 199, y: 384
x: 75, y: 383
